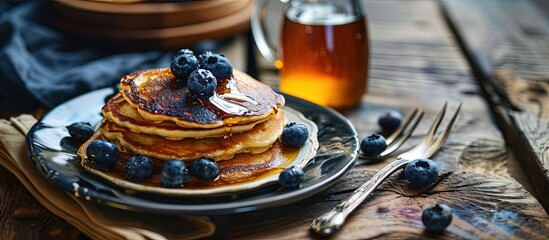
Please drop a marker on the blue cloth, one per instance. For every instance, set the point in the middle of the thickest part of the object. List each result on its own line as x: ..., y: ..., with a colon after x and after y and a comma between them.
x: 40, y: 65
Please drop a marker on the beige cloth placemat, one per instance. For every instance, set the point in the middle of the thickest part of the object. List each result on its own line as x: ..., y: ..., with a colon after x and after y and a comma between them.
x: 95, y: 221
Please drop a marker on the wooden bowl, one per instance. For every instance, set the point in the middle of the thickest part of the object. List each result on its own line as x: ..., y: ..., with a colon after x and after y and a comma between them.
x: 143, y: 15
x: 163, y: 38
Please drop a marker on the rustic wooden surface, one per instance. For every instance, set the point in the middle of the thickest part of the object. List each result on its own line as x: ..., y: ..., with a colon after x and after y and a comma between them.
x: 415, y: 62
x: 22, y: 217
x: 508, y: 46
x: 484, y: 208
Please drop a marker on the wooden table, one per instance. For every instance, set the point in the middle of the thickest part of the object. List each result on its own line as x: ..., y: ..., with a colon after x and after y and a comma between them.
x: 491, y: 55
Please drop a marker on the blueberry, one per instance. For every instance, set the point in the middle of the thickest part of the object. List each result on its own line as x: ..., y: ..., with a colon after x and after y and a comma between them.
x: 203, y: 56
x: 183, y: 65
x: 70, y: 144
x: 291, y: 178
x: 390, y: 120
x: 174, y: 174
x: 108, y: 97
x: 295, y: 135
x: 139, y: 167
x: 81, y: 131
x: 102, y: 154
x: 436, y: 218
x: 184, y: 51
x: 201, y: 83
x: 373, y: 145
x: 218, y: 65
x: 205, y: 169
x: 421, y: 172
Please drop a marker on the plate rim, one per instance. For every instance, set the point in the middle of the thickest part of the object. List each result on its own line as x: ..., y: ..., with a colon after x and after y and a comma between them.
x: 229, y: 207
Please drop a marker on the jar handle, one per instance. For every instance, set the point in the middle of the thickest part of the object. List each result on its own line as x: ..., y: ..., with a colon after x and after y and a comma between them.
x: 257, y: 23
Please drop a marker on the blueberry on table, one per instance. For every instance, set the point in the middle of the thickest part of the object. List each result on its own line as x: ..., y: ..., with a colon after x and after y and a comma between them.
x: 436, y: 218
x: 139, y: 167
x: 174, y: 174
x: 102, y: 154
x: 373, y: 145
x: 81, y: 131
x: 218, y: 64
x: 291, y: 178
x: 421, y: 172
x: 295, y: 135
x: 204, y: 169
x: 183, y: 65
x: 201, y: 83
x: 184, y: 51
x: 390, y: 120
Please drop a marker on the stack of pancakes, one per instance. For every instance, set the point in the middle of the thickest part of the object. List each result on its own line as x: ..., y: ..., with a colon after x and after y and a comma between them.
x: 154, y: 115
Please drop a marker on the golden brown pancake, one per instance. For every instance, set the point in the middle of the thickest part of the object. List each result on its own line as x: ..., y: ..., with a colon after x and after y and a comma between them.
x: 123, y: 114
x: 239, y: 127
x: 241, y: 168
x: 159, y: 96
x: 257, y: 140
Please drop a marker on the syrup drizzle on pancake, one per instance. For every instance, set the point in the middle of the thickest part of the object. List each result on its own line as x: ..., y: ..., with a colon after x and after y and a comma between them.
x: 122, y: 113
x: 160, y: 96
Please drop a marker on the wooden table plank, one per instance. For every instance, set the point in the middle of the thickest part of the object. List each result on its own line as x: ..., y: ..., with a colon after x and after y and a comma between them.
x: 22, y: 217
x: 508, y: 44
x: 394, y: 211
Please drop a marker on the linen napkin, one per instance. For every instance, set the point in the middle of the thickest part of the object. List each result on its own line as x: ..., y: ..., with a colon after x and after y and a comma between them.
x: 93, y: 220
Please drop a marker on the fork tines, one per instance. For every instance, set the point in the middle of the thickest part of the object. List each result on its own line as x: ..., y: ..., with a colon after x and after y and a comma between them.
x: 401, y: 134
x: 397, y: 138
x: 428, y: 145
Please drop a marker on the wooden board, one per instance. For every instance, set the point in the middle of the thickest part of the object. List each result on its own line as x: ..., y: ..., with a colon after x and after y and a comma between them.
x: 507, y: 43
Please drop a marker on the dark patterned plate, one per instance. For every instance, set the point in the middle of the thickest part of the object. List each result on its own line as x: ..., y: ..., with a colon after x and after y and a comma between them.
x: 54, y: 156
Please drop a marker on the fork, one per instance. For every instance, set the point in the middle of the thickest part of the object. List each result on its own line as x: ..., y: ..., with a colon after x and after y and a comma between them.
x: 328, y: 223
x: 400, y: 135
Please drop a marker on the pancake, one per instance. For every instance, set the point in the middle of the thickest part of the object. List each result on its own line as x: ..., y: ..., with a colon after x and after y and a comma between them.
x: 242, y: 167
x: 245, y: 166
x: 257, y: 140
x: 119, y: 111
x: 159, y: 96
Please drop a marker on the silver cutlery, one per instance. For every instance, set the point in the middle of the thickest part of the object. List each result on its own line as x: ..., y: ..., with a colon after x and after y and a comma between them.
x: 400, y: 135
x: 330, y: 222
